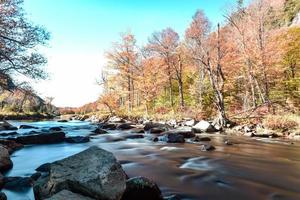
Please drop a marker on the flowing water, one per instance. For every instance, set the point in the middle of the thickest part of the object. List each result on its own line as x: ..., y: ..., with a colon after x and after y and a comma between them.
x: 250, y: 169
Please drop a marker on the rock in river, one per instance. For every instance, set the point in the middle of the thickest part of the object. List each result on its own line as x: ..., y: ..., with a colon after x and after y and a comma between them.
x: 4, y: 125
x: 173, y: 138
x: 140, y: 188
x: 10, y: 145
x: 27, y: 127
x: 41, y: 138
x: 5, y: 161
x: 17, y: 183
x: 78, y: 139
x: 94, y: 173
x: 3, y: 196
x: 204, y: 126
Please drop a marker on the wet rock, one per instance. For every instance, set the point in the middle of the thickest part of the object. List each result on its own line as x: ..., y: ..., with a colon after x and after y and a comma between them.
x: 155, y: 139
x: 150, y: 125
x: 186, y: 133
x: 62, y: 121
x: 207, y: 147
x: 124, y: 126
x: 17, y: 183
x: 109, y: 126
x: 1, y: 181
x: 189, y: 123
x: 56, y: 128
x: 134, y: 136
x: 67, y: 195
x: 203, y: 126
x: 140, y: 188
x: 228, y: 142
x: 249, y: 134
x: 137, y: 130
x: 11, y: 146
x: 27, y: 127
x: 99, y: 131
x: 264, y: 133
x: 3, y: 196
x: 93, y: 172
x: 116, y: 120
x: 157, y: 130
x: 201, y: 139
x: 8, y: 134
x: 5, y: 161
x: 35, y: 176
x: 44, y: 168
x: 41, y: 138
x: 5, y: 126
x: 173, y: 138
x: 77, y: 139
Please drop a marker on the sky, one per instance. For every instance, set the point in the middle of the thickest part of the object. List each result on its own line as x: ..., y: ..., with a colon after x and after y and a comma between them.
x: 82, y: 30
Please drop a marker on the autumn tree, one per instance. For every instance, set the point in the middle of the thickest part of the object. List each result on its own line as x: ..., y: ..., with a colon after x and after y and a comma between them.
x: 18, y: 41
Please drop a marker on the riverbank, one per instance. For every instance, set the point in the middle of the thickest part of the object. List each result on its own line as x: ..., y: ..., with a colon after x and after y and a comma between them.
x: 26, y: 116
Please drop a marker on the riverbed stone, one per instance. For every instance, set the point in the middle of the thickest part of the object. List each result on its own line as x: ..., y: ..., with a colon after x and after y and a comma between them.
x: 201, y: 139
x: 98, y: 131
x: 67, y: 195
x: 11, y: 146
x: 17, y: 183
x: 115, y: 119
x: 157, y: 130
x: 94, y: 172
x: 56, y: 128
x: 44, y: 167
x: 8, y: 134
x: 27, y: 127
x: 185, y: 132
x: 150, y: 125
x: 3, y: 196
x: 5, y: 161
x: 125, y: 126
x: 77, y: 139
x: 137, y: 130
x: 207, y: 147
x: 172, y: 138
x: 5, y: 126
x: 41, y: 138
x: 203, y: 126
x: 141, y: 188
x: 108, y: 126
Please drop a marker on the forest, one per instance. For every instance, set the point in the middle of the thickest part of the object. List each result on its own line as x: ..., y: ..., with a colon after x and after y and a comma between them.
x: 247, y: 66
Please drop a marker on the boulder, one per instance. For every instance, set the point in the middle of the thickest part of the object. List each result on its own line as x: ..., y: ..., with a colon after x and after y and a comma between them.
x: 140, y: 188
x: 203, y: 126
x: 189, y: 123
x: 5, y: 126
x: 134, y: 136
x: 137, y: 130
x: 41, y: 138
x: 116, y: 120
x: 207, y: 147
x: 27, y: 127
x: 5, y: 161
x: 94, y: 172
x: 228, y: 142
x: 77, y: 139
x: 1, y: 181
x: 173, y: 138
x: 44, y: 168
x: 11, y: 146
x: 62, y: 120
x: 98, y: 131
x: 8, y: 134
x: 201, y: 139
x: 17, y: 183
x: 186, y: 133
x: 36, y: 176
x: 3, y: 196
x: 67, y: 195
x: 157, y: 130
x: 124, y: 126
x: 150, y: 125
x: 109, y: 126
x: 56, y: 128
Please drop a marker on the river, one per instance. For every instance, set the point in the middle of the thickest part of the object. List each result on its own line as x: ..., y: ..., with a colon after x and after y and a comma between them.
x: 250, y: 169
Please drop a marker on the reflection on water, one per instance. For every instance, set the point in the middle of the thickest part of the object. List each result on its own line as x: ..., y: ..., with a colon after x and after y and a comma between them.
x: 248, y: 170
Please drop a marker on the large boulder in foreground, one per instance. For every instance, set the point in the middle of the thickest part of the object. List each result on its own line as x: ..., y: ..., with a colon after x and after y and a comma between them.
x: 65, y: 195
x: 10, y: 145
x: 141, y: 188
x: 204, y: 126
x: 5, y: 161
x: 5, y: 126
x: 41, y: 138
x: 94, y: 173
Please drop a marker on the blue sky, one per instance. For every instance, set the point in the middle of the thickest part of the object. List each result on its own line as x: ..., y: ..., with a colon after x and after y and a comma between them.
x: 82, y: 30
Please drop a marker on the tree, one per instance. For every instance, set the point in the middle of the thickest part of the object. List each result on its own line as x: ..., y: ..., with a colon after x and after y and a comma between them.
x: 19, y: 40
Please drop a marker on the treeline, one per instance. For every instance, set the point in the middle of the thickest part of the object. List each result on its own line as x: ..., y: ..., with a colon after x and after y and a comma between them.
x: 250, y: 61
x: 19, y: 57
